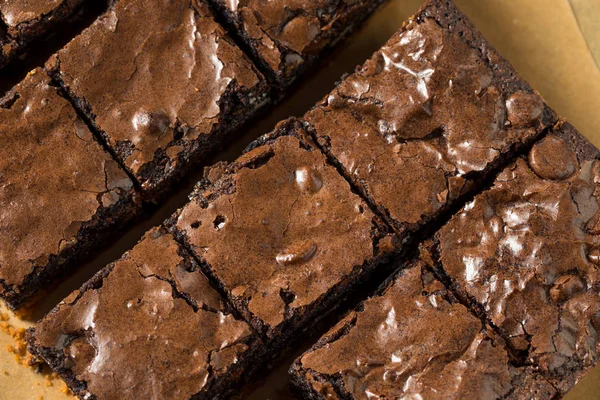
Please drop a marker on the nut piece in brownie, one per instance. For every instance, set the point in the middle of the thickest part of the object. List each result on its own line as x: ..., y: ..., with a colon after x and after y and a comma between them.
x: 526, y: 255
x: 61, y: 193
x: 288, y: 36
x: 428, y: 117
x: 147, y: 326
x: 281, y: 233
x: 22, y: 21
x: 414, y: 341
x: 162, y: 83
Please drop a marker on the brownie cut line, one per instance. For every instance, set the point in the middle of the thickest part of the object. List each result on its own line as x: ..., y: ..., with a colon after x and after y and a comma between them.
x: 163, y: 94
x: 23, y: 21
x: 62, y: 195
x: 425, y: 121
x: 287, y: 37
x: 147, y: 326
x: 414, y: 340
x: 281, y: 233
x: 526, y: 255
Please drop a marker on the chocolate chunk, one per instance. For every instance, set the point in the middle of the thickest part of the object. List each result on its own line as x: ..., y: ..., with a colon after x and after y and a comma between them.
x: 521, y: 251
x: 163, y: 93
x: 138, y: 330
x: 552, y: 158
x: 524, y: 109
x: 414, y: 341
x: 281, y: 231
x: 61, y: 194
x: 288, y: 36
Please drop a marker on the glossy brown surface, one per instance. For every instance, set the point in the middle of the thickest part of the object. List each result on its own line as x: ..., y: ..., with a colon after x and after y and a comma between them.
x: 526, y: 250
x: 429, y: 113
x: 55, y: 183
x: 279, y: 229
x: 148, y: 326
x: 163, y: 91
x: 288, y: 34
x: 414, y: 341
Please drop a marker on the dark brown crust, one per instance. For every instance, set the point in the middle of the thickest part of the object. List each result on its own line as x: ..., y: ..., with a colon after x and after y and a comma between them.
x: 25, y: 33
x: 91, y: 237
x: 352, y: 20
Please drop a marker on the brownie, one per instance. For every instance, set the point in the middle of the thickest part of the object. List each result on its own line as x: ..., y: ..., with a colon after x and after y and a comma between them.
x: 286, y: 37
x: 281, y: 233
x: 23, y: 21
x: 428, y: 118
x: 525, y: 254
x: 414, y: 340
x: 161, y: 83
x: 147, y: 326
x: 62, y: 195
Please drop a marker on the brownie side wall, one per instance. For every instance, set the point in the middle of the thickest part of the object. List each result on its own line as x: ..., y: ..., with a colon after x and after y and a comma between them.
x: 27, y: 32
x: 90, y: 239
x: 352, y: 20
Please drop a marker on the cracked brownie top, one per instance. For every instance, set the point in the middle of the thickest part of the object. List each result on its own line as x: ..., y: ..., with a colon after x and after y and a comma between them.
x: 527, y: 251
x: 430, y: 112
x: 54, y: 179
x: 286, y: 34
x: 414, y: 341
x: 156, y: 77
x: 279, y: 229
x: 147, y: 326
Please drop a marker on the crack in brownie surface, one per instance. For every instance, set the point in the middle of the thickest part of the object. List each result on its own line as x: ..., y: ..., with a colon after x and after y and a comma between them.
x: 414, y: 341
x: 147, y: 326
x: 288, y: 35
x: 526, y: 251
x: 160, y: 92
x: 425, y: 117
x: 279, y: 229
x: 58, y: 187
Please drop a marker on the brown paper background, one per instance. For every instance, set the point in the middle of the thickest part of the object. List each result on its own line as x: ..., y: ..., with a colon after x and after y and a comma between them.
x: 554, y: 44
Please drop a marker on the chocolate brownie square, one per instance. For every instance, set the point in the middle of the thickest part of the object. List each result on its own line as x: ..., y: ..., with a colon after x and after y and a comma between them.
x: 147, y: 326
x: 289, y: 36
x: 162, y: 84
x: 428, y: 118
x: 281, y: 233
x: 22, y: 21
x: 525, y: 254
x: 414, y: 340
x: 62, y: 195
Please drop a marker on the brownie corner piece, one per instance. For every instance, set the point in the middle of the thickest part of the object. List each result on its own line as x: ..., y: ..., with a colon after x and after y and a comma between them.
x: 526, y: 254
x: 62, y: 194
x: 414, y: 340
x: 433, y: 114
x: 148, y: 325
x: 287, y: 36
x: 22, y: 22
x: 280, y: 231
x: 163, y: 94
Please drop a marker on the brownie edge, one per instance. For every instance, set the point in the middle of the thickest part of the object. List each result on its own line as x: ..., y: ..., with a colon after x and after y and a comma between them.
x: 147, y: 326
